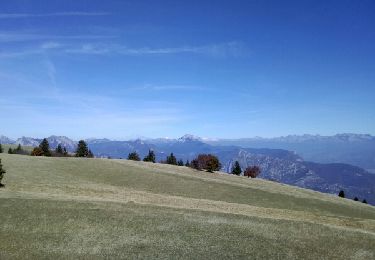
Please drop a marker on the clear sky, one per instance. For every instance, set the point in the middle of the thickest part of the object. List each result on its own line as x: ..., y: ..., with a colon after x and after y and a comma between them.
x: 124, y: 69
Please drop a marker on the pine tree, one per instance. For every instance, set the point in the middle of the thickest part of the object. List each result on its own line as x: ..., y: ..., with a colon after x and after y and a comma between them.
x: 82, y: 150
x: 187, y: 164
x: 2, y: 172
x: 180, y: 163
x: 134, y: 156
x: 90, y: 154
x: 44, y: 145
x: 150, y: 157
x: 355, y: 199
x: 364, y: 201
x: 10, y: 150
x: 171, y: 159
x: 236, y: 170
x: 65, y: 152
x: 59, y: 149
x: 342, y: 194
x: 1, y: 149
x: 19, y: 148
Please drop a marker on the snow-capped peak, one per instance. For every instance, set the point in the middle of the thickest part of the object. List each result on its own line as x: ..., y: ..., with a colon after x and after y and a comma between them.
x: 189, y: 138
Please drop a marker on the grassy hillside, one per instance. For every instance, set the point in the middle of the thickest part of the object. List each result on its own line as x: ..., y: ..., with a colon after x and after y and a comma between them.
x: 99, y: 208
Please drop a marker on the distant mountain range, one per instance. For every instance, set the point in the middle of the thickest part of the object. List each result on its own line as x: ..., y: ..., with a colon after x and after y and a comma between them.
x: 287, y: 165
x: 53, y: 141
x: 355, y: 149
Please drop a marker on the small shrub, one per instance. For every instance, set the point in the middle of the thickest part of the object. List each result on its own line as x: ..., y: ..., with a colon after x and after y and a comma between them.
x: 134, y: 156
x: 342, y: 194
x: 37, y: 151
x: 252, y: 171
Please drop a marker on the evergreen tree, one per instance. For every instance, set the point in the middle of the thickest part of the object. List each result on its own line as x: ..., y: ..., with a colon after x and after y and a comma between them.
x: 134, y: 156
x: 150, y: 157
x: 180, y: 163
x: 19, y: 148
x: 65, y: 152
x: 195, y: 164
x: 355, y: 199
x: 171, y: 159
x: 364, y: 201
x: 82, y: 150
x: 342, y: 194
x: 90, y: 154
x: 1, y: 149
x: 44, y: 145
x: 236, y: 170
x: 2, y: 172
x: 59, y: 149
x: 10, y: 150
x: 187, y: 164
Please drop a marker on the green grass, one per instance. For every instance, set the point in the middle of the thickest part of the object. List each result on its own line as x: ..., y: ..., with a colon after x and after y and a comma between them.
x: 98, y: 208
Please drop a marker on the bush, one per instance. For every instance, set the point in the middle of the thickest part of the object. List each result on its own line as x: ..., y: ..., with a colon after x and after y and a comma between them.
x: 134, y: 156
x: 342, y: 194
x: 355, y: 199
x: 206, y: 162
x: 252, y: 171
x: 1, y: 149
x: 364, y: 201
x: 37, y: 151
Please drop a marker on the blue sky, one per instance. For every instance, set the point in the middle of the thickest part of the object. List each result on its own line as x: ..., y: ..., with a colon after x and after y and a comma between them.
x: 124, y: 69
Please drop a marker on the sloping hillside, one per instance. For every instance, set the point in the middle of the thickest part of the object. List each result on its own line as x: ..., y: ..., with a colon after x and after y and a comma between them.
x: 99, y: 208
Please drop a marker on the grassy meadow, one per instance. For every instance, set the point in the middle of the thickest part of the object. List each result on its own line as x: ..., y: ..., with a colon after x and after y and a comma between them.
x: 69, y: 208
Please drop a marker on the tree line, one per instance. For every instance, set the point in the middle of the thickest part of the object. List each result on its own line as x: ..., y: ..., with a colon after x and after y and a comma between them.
x: 207, y: 162
x: 44, y: 150
x: 342, y: 195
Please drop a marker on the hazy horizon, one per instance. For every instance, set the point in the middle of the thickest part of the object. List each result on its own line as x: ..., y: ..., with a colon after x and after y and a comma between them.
x: 127, y: 138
